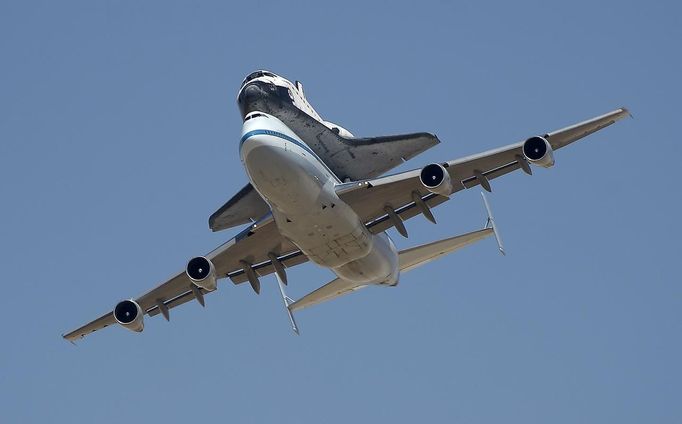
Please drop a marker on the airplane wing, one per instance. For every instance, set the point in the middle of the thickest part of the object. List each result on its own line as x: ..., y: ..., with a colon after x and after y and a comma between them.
x: 257, y: 244
x: 370, y: 198
x: 244, y: 207
x: 408, y: 259
x: 251, y: 245
x: 372, y: 156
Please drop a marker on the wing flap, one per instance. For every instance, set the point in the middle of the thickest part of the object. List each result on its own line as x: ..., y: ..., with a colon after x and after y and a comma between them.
x: 266, y: 268
x: 101, y: 322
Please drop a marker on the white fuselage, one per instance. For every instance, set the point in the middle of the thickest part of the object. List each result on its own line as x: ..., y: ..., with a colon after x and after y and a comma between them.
x: 300, y: 189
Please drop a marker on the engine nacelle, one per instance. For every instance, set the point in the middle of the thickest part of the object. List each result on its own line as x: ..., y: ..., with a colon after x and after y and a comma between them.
x: 202, y: 273
x: 129, y: 314
x: 538, y: 151
x: 436, y: 179
x: 338, y: 129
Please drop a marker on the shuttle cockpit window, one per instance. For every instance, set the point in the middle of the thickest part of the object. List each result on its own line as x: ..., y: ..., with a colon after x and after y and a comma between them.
x: 257, y: 74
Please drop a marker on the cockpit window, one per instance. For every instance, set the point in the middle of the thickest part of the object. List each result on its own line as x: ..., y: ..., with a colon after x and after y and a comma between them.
x: 254, y: 115
x: 257, y: 74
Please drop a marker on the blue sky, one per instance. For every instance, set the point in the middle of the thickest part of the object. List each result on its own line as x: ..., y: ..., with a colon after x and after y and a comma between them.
x: 118, y: 138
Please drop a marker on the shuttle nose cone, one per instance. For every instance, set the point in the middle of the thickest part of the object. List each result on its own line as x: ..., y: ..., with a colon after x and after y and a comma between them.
x: 263, y: 96
x: 249, y: 97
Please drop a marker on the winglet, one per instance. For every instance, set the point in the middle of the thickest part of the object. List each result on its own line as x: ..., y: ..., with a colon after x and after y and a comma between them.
x: 490, y: 223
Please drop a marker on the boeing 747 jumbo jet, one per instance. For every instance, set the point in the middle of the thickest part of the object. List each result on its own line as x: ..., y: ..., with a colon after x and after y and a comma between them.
x: 316, y: 194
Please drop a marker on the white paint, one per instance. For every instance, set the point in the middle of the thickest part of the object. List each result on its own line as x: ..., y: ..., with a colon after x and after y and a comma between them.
x: 301, y: 192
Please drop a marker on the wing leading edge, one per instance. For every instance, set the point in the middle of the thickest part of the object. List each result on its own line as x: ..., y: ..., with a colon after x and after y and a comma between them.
x: 369, y: 198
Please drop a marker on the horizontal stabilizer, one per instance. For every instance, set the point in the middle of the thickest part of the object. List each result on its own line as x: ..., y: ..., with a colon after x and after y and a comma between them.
x: 244, y: 207
x: 408, y: 259
x: 413, y: 257
x: 333, y: 289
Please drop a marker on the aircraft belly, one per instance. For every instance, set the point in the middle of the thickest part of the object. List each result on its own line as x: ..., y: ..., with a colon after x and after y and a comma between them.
x: 304, y: 203
x: 307, y: 210
x: 282, y: 177
x: 380, y: 266
x: 338, y: 250
x: 330, y: 236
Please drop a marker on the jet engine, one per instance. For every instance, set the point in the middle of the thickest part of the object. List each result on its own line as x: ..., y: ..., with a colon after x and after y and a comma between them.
x: 129, y: 314
x: 202, y: 273
x: 538, y: 151
x: 436, y: 179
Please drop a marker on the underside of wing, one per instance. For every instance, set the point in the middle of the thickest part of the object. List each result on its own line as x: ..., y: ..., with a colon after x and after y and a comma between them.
x: 403, y: 193
x: 252, y: 247
x: 255, y: 247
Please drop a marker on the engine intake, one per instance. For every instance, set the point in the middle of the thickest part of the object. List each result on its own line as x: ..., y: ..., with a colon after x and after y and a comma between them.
x: 436, y: 179
x: 538, y: 151
x: 129, y: 314
x: 202, y: 273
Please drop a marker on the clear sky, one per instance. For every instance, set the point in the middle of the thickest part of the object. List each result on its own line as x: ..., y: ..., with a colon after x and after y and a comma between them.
x: 119, y: 137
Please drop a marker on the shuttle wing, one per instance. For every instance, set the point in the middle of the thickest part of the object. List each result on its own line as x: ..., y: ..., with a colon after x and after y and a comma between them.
x: 244, y: 207
x: 369, y: 198
x: 362, y: 157
x: 372, y: 156
x: 252, y: 245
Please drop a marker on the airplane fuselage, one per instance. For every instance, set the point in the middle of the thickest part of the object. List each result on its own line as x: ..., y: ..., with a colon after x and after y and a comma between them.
x: 303, y: 166
x: 300, y: 189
